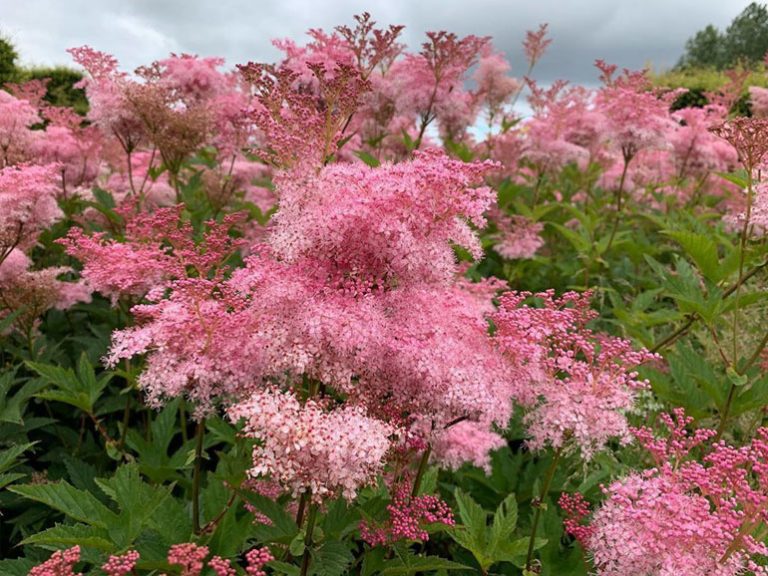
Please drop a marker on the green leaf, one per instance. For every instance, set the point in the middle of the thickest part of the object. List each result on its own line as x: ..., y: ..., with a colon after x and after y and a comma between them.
x: 9, y: 457
x: 284, y: 568
x: 81, y: 390
x: 504, y: 524
x: 297, y: 546
x: 283, y: 528
x: 515, y: 551
x: 473, y: 519
x: 373, y: 561
x: 16, y: 567
x: 333, y: 558
x: 340, y: 519
x: 702, y: 250
x: 369, y: 159
x: 63, y: 535
x: 77, y: 504
x: 739, y: 178
x: 138, y: 501
x: 412, y: 564
x: 735, y: 378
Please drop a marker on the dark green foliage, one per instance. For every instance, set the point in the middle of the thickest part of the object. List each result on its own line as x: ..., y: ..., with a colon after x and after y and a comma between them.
x: 61, y: 86
x: 8, y: 61
x: 744, y: 41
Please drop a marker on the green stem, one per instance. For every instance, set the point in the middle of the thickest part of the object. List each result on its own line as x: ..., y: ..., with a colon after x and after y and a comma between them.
x: 737, y: 310
x: 693, y: 317
x: 538, y: 504
x: 306, y: 557
x: 302, y: 508
x: 420, y: 472
x: 196, y: 478
x: 732, y: 390
x: 619, y: 206
x: 183, y: 422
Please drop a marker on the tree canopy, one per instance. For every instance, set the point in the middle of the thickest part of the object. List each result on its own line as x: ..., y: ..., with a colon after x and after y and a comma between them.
x: 744, y: 41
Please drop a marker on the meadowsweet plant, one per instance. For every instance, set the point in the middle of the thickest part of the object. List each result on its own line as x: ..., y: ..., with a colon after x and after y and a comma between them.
x: 348, y: 312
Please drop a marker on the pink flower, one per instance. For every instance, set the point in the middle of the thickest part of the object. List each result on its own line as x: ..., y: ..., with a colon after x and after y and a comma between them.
x: 27, y: 205
x: 687, y: 516
x: 407, y: 516
x: 758, y: 98
x: 384, y: 226
x: 464, y: 442
x: 307, y: 448
x: 189, y: 556
x: 575, y: 384
x: 61, y: 563
x: 518, y: 237
x: 257, y: 558
x: 536, y: 43
x: 17, y: 116
x: 121, y: 565
x: 494, y: 84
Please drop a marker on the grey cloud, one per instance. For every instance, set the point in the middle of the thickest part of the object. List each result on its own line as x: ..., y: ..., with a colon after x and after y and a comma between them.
x: 629, y: 33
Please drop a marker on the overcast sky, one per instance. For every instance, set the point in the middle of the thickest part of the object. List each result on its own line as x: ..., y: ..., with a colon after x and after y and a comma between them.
x: 630, y: 33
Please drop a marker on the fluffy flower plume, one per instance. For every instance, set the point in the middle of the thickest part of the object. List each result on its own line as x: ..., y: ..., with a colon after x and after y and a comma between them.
x: 466, y: 442
x: 308, y: 448
x: 386, y: 226
x: 683, y: 517
x: 517, y: 237
x: 27, y: 205
x: 576, y: 384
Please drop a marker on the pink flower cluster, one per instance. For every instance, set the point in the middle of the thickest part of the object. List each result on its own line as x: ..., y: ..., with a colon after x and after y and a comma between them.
x: 408, y: 516
x: 385, y: 226
x: 191, y: 558
x: 517, y: 236
x: 464, y: 442
x: 121, y: 565
x: 685, y: 516
x: 309, y: 448
x: 27, y: 205
x: 61, y: 563
x: 575, y: 384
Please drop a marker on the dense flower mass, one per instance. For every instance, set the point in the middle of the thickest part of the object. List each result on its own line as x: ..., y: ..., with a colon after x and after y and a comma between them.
x: 577, y: 384
x: 683, y: 516
x: 27, y: 205
x: 275, y: 317
x: 386, y: 226
x: 311, y: 449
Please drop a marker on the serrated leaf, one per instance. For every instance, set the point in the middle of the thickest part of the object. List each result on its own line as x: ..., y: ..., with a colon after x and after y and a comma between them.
x: 16, y: 567
x: 283, y: 568
x: 9, y: 477
x: 702, y: 250
x: 77, y: 504
x: 72, y: 534
x: 137, y: 500
x: 333, y: 558
x: 9, y: 457
x: 517, y: 550
x: 283, y: 528
x: 473, y: 519
x: 504, y: 524
x: 405, y: 566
